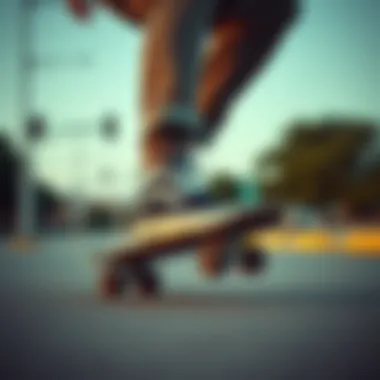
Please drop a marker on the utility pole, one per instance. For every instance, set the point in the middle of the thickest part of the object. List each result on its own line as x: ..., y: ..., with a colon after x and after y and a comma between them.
x: 26, y: 212
x: 26, y: 218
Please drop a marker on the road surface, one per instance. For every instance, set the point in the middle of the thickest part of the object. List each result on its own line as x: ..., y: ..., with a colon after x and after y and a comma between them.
x: 306, y: 318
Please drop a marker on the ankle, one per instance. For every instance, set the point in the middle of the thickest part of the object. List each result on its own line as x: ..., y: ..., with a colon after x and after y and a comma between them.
x: 177, y: 121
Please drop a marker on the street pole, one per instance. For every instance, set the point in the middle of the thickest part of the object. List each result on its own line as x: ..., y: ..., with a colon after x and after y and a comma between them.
x: 78, y: 206
x: 26, y: 205
x: 26, y: 209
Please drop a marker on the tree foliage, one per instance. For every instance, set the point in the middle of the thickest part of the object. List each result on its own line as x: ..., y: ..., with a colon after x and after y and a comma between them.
x: 10, y: 165
x: 315, y: 163
x: 224, y: 186
x: 99, y: 217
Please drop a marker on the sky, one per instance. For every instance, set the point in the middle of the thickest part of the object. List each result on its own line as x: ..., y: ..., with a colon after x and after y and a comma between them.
x: 328, y: 63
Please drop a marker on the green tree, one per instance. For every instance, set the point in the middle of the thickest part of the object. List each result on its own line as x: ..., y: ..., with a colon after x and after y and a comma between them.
x: 315, y: 163
x: 224, y: 186
x: 47, y: 200
x: 99, y: 217
x: 9, y: 166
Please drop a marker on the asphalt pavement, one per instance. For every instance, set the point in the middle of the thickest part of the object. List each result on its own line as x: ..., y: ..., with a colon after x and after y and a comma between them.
x: 304, y: 318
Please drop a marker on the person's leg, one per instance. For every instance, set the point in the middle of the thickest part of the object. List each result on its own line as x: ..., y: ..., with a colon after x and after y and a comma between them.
x: 241, y: 41
x: 171, y: 59
x: 245, y: 33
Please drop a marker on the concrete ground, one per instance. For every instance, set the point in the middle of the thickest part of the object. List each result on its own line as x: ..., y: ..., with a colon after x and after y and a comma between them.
x: 306, y: 318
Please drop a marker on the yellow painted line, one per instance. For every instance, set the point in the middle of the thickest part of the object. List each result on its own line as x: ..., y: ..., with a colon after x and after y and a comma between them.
x: 357, y: 242
x: 271, y: 239
x: 311, y: 241
x: 364, y: 241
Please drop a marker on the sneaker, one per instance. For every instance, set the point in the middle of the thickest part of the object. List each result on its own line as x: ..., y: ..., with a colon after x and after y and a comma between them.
x: 178, y: 186
x: 173, y: 189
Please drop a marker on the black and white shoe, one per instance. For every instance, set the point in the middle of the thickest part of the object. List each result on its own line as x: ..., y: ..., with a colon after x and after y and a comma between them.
x: 172, y: 190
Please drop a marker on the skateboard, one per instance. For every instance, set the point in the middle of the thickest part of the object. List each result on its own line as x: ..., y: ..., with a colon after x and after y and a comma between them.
x: 212, y: 233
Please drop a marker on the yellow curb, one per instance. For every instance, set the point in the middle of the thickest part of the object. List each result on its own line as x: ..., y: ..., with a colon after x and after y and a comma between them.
x: 357, y: 242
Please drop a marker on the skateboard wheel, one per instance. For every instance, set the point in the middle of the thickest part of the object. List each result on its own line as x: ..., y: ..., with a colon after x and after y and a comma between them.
x: 252, y: 261
x: 112, y: 283
x: 149, y: 287
x: 146, y: 279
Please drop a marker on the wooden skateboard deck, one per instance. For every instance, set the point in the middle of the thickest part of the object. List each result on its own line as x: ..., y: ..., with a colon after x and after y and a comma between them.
x: 160, y: 236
